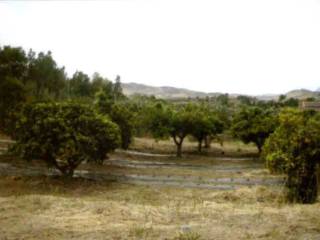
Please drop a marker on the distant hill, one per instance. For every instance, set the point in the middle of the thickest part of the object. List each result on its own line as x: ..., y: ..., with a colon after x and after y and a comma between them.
x: 166, y: 92
x: 302, y: 94
x: 162, y: 92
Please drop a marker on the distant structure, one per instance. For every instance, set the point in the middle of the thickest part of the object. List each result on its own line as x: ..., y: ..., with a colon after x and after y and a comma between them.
x: 307, y: 105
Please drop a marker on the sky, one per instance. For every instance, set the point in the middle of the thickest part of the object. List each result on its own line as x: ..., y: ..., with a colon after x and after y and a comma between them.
x: 248, y: 46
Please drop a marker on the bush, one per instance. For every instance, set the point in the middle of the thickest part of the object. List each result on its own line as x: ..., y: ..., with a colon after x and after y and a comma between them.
x: 124, y: 117
x: 64, y: 135
x: 294, y: 148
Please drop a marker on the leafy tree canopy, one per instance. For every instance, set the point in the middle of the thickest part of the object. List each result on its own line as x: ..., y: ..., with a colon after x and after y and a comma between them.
x: 64, y: 135
x: 122, y: 115
x: 205, y: 123
x: 254, y: 124
x: 294, y: 148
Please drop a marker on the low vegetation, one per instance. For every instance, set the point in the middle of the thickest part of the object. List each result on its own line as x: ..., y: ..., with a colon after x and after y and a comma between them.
x: 294, y: 148
x: 64, y: 135
x: 51, y: 208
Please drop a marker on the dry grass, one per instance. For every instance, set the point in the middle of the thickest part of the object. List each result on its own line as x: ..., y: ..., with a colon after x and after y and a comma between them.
x: 204, y: 174
x: 55, y: 208
x: 229, y: 148
x: 46, y: 208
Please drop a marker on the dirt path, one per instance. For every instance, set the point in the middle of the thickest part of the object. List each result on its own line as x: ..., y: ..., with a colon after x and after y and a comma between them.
x: 168, y: 180
x: 177, y: 181
x: 144, y: 154
x: 155, y: 164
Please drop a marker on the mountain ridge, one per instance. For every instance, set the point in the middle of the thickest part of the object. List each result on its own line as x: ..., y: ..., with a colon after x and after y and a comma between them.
x: 168, y: 92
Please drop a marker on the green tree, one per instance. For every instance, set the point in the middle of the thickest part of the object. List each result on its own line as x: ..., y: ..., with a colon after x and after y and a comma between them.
x: 291, y: 102
x: 253, y: 124
x: 12, y: 97
x: 13, y: 71
x: 13, y: 63
x: 223, y: 99
x: 117, y: 90
x: 48, y: 78
x: 64, y: 135
x: 104, y: 101
x: 169, y: 121
x: 294, y: 148
x: 282, y: 98
x: 204, y: 124
x: 79, y: 85
x: 124, y: 117
x: 245, y: 100
x: 96, y: 83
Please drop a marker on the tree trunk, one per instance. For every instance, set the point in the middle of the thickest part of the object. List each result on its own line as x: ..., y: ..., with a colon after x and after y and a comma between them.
x: 66, y: 170
x: 179, y: 150
x: 259, y: 149
x: 70, y: 172
x: 178, y: 143
x: 302, y: 186
x: 207, y: 142
x: 259, y: 146
x: 199, y: 145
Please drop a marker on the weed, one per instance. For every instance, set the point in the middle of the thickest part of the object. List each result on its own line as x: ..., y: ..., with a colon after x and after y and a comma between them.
x: 188, y: 236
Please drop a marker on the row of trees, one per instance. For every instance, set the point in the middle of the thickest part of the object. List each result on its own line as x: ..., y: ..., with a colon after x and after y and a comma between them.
x: 30, y: 77
x: 66, y: 134
x: 42, y: 79
x: 66, y: 121
x: 178, y: 122
x: 289, y: 141
x: 61, y: 120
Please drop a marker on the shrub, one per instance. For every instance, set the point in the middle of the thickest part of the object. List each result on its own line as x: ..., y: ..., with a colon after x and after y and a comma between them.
x: 64, y: 135
x: 124, y: 117
x: 294, y: 148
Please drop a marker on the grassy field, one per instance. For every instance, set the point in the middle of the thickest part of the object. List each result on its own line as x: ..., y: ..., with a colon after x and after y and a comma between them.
x: 55, y: 208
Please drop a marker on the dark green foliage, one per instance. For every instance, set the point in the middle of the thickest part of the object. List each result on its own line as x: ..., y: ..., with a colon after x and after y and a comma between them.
x: 43, y: 80
x: 168, y: 121
x: 291, y: 102
x: 179, y: 121
x: 294, y: 148
x: 12, y: 97
x: 39, y: 74
x: 282, y: 97
x: 246, y: 100
x: 143, y: 108
x: 254, y: 124
x: 64, y: 135
x: 13, y: 71
x: 124, y: 117
x: 79, y: 85
x: 117, y: 90
x: 180, y: 126
x: 205, y: 124
x: 104, y: 98
x: 108, y: 95
x: 97, y: 83
x: 47, y: 78
x: 13, y: 63
x: 223, y: 99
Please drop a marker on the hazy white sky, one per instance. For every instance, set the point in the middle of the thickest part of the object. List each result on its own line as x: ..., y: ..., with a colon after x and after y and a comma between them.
x: 235, y: 46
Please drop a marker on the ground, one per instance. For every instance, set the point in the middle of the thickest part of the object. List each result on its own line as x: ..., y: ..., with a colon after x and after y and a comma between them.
x: 42, y: 207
